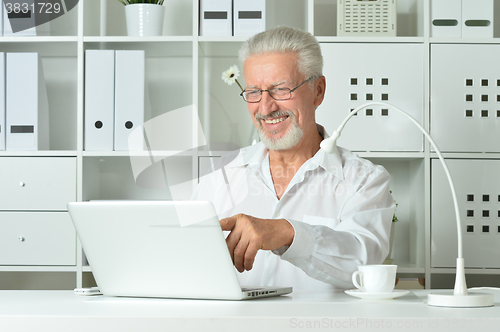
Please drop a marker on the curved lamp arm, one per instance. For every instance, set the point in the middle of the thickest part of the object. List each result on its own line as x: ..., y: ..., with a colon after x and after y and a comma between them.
x: 330, y: 144
x: 460, y: 291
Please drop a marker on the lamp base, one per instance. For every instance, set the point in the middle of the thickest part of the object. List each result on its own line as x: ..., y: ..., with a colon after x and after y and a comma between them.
x: 471, y: 300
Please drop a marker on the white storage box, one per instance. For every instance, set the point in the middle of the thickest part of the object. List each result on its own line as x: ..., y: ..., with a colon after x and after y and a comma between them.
x: 360, y: 73
x: 216, y: 18
x: 37, y: 183
x: 477, y: 18
x: 478, y: 192
x: 446, y: 18
x: 249, y: 17
x: 37, y: 238
x: 366, y: 17
x: 465, y: 90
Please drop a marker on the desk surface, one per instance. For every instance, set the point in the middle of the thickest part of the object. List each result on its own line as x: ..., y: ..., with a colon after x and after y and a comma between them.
x: 64, y: 311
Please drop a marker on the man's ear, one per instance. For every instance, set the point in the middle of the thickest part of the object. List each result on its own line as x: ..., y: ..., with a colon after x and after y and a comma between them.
x: 319, y: 90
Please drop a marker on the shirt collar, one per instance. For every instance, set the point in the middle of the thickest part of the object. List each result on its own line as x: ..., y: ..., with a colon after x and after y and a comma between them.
x: 330, y: 162
x: 250, y: 156
x: 253, y: 155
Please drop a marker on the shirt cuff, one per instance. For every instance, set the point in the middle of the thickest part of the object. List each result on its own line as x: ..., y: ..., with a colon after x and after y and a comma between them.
x: 303, y: 242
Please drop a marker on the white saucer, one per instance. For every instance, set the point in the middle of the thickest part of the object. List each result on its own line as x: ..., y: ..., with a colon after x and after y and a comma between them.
x: 377, y: 296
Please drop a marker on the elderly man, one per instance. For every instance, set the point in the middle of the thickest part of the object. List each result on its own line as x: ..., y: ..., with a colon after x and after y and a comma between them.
x: 308, y: 218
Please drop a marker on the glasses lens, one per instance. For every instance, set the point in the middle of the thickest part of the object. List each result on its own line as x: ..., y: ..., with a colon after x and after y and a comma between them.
x: 252, y: 95
x: 280, y: 93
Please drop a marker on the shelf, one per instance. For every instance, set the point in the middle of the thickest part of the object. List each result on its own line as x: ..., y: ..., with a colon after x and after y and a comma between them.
x: 467, y: 155
x: 127, y: 39
x: 395, y: 156
x: 232, y: 39
x: 46, y: 46
x: 465, y: 40
x: 467, y: 271
x: 220, y: 46
x: 47, y: 153
x: 391, y: 155
x: 156, y: 47
x: 165, y: 153
x: 402, y: 268
x: 402, y: 40
x: 214, y: 153
x: 98, y: 154
x: 18, y: 268
x: 411, y: 270
x: 38, y: 39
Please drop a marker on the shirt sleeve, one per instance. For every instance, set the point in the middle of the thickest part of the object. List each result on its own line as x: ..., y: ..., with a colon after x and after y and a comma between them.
x: 332, y: 254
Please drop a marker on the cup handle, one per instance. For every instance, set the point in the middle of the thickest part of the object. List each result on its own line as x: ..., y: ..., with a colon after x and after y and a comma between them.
x: 355, y: 281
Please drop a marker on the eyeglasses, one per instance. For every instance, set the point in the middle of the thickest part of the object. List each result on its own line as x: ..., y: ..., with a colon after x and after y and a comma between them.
x: 254, y: 96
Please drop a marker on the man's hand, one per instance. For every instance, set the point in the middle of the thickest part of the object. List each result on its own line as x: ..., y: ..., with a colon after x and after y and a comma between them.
x: 250, y: 234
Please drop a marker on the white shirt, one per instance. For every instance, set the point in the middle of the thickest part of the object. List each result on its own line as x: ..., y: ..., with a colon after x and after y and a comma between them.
x: 339, y: 205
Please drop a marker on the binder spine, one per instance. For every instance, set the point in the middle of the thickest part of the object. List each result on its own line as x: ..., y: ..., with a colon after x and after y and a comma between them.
x: 129, y: 97
x: 99, y: 100
x: 2, y: 99
x: 26, y: 103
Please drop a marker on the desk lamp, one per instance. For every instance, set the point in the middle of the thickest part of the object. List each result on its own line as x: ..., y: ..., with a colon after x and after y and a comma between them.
x: 460, y: 297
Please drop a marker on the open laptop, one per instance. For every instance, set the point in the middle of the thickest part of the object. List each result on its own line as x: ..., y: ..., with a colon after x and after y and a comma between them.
x: 171, y: 249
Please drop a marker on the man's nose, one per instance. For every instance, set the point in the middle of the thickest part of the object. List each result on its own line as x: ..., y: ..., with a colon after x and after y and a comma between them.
x: 267, y: 104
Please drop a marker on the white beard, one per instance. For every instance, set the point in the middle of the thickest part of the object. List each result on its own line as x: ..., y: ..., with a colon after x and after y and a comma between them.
x: 288, y: 141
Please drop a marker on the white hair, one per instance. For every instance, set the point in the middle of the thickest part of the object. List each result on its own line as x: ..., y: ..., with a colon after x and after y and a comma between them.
x: 283, y: 40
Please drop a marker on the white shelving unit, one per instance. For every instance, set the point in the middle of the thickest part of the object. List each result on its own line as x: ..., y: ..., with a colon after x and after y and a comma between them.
x: 184, y: 69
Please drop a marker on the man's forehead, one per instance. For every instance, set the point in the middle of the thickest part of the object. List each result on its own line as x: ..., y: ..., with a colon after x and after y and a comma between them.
x: 269, y: 70
x: 270, y: 85
x: 285, y: 62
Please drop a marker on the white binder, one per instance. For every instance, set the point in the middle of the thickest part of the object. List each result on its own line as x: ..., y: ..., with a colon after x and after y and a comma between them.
x: 27, y: 114
x: 99, y: 99
x: 2, y: 9
x: 2, y: 100
x: 216, y: 18
x: 23, y: 17
x: 249, y: 17
x: 129, y: 97
x: 477, y: 18
x: 446, y: 18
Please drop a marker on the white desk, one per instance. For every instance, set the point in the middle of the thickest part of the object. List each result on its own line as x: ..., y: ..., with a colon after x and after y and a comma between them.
x: 64, y: 311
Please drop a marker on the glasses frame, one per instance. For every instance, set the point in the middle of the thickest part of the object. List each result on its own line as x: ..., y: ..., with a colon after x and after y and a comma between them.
x: 242, y: 94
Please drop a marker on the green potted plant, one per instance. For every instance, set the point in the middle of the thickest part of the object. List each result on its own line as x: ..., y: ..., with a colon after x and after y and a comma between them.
x: 144, y: 17
x: 389, y: 260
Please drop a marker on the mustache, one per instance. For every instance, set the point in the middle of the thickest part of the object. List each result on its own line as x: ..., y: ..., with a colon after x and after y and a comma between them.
x: 273, y: 115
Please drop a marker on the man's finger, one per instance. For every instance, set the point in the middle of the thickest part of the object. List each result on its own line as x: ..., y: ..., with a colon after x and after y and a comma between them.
x: 239, y: 254
x: 250, y: 254
x: 227, y: 224
x: 232, y: 240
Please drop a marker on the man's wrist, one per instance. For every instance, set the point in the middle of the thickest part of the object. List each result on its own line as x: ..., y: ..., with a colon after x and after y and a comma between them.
x: 303, y: 241
x: 289, y: 233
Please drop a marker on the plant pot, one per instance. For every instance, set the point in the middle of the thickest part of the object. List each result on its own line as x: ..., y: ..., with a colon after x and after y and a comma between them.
x: 144, y: 19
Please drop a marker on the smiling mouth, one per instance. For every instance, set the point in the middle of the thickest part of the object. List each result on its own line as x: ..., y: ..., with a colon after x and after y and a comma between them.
x: 276, y: 120
x: 274, y: 117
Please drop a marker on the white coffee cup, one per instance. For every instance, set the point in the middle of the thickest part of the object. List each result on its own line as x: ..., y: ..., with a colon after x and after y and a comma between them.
x: 375, y: 278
